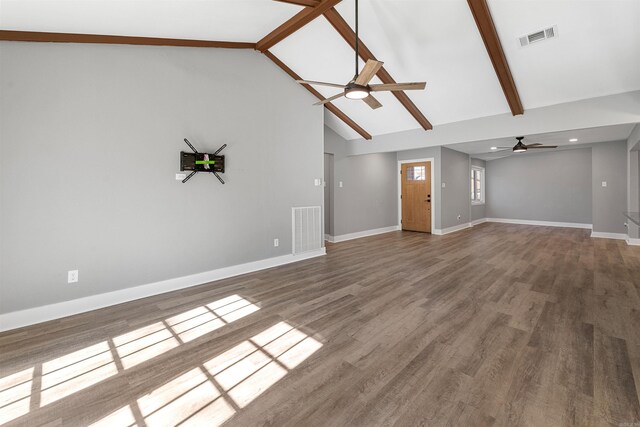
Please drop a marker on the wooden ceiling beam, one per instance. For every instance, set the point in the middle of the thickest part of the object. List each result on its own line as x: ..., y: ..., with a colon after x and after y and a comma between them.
x: 329, y: 106
x: 341, y: 26
x: 293, y: 24
x: 306, y: 3
x: 484, y: 22
x: 33, y: 36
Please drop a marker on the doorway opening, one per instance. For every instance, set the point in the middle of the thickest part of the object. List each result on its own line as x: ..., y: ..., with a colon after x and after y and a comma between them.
x: 328, y: 196
x: 415, y: 206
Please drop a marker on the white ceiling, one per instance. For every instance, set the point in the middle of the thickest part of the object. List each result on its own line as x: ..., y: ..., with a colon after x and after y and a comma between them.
x: 234, y: 20
x: 597, y: 52
x: 482, y: 149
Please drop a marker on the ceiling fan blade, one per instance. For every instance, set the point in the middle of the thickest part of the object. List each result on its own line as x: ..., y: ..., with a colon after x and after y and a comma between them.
x: 398, y: 86
x: 311, y: 82
x: 330, y: 99
x: 370, y: 69
x: 530, y: 145
x: 500, y: 149
x: 372, y: 102
x: 505, y: 147
x: 542, y: 146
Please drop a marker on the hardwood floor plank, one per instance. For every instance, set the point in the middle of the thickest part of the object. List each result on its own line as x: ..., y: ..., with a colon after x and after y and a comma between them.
x: 616, y: 397
x: 501, y: 324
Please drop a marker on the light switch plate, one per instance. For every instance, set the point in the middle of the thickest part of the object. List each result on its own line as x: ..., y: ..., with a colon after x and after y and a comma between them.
x: 604, y: 183
x: 444, y: 184
x: 317, y: 182
x: 340, y: 184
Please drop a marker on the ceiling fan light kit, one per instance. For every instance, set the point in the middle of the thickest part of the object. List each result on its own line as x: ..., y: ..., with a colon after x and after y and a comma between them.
x: 358, y: 88
x: 356, y: 91
x: 519, y: 147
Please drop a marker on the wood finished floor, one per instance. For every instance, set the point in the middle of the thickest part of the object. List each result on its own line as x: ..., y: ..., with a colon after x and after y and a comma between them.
x: 501, y: 324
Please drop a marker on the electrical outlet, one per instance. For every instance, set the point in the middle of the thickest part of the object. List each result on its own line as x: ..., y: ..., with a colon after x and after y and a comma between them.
x: 276, y: 243
x: 72, y: 276
x: 604, y: 183
x: 180, y: 176
x: 444, y: 184
x: 459, y: 216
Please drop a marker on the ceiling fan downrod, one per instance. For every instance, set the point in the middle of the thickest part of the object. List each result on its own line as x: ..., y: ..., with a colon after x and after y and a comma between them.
x: 357, y: 42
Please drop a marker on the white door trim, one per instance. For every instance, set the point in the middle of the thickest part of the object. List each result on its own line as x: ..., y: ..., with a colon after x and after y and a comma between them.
x: 433, y: 197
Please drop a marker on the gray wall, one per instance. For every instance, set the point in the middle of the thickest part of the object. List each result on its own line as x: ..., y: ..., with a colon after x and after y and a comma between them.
x: 89, y: 143
x: 633, y: 179
x: 365, y: 202
x: 456, y: 195
x: 328, y: 194
x: 478, y: 211
x: 609, y: 203
x: 553, y: 186
x: 334, y: 143
x: 367, y: 199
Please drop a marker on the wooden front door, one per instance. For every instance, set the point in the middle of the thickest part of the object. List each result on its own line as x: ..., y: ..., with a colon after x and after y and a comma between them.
x: 416, y: 196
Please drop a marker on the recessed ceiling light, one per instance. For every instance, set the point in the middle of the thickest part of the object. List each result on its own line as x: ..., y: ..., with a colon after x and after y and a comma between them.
x: 573, y: 140
x: 494, y: 148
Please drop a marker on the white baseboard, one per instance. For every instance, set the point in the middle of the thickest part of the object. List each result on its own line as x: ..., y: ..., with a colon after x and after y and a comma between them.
x: 18, y: 319
x: 366, y: 233
x: 441, y: 232
x: 632, y: 242
x: 542, y: 223
x: 601, y: 235
x: 328, y: 237
x: 478, y: 221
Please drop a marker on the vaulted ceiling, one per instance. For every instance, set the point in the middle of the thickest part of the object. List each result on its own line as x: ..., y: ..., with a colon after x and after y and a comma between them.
x: 597, y: 52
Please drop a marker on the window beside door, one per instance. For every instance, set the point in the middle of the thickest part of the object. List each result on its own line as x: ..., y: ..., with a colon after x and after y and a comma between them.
x: 477, y: 185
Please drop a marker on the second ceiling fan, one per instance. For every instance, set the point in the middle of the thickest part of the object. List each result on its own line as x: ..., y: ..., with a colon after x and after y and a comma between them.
x: 359, y: 87
x: 521, y: 148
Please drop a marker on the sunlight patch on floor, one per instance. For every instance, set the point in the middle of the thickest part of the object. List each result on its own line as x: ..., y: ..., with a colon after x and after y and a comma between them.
x: 15, y: 395
x: 123, y: 417
x: 213, y: 392
x: 73, y: 372
x: 250, y: 368
x: 134, y: 348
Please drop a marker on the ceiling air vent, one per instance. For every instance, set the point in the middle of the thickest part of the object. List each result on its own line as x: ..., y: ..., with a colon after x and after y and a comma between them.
x: 538, y: 36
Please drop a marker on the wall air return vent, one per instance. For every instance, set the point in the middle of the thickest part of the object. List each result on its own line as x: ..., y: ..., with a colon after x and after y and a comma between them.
x: 538, y: 36
x: 307, y: 229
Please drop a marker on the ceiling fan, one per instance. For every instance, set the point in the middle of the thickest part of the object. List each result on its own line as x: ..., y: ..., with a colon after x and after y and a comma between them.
x: 359, y: 87
x: 521, y: 148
